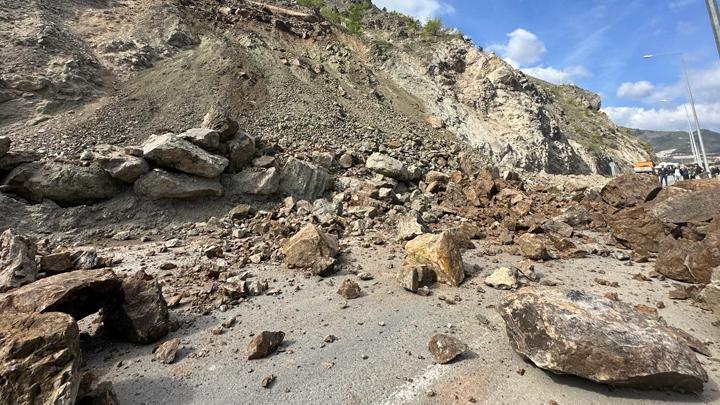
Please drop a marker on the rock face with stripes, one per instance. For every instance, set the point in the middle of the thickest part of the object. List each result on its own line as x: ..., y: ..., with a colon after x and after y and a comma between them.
x: 17, y: 260
x: 605, y: 341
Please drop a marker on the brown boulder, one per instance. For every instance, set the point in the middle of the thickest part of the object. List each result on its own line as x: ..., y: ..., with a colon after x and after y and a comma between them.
x: 142, y: 316
x: 311, y: 248
x: 77, y: 293
x: 609, y: 342
x: 630, y: 190
x: 39, y: 358
x: 55, y: 263
x: 689, y: 261
x: 684, y: 208
x: 349, y: 290
x: 445, y: 349
x: 532, y: 246
x: 17, y: 260
x: 635, y: 228
x: 441, y: 253
x: 263, y: 345
x: 413, y: 278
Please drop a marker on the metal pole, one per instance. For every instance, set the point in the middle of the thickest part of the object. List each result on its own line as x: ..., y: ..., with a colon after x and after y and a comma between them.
x: 692, y: 105
x: 714, y: 21
x: 693, y: 147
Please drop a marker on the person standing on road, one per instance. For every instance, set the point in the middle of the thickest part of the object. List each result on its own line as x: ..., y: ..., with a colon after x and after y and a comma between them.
x: 677, y: 174
x: 663, y: 173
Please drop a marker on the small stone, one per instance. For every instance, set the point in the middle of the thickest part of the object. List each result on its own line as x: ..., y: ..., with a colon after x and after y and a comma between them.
x: 445, y: 348
x: 502, y: 279
x: 349, y: 289
x: 365, y: 276
x: 267, y: 381
x: 165, y: 353
x: 263, y: 345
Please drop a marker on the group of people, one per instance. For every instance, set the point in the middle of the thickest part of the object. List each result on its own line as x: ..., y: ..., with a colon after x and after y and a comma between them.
x: 679, y: 173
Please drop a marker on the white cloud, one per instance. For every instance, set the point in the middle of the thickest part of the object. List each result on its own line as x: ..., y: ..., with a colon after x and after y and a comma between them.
x: 557, y: 76
x: 636, y: 90
x: 522, y: 49
x: 421, y: 9
x: 664, y: 119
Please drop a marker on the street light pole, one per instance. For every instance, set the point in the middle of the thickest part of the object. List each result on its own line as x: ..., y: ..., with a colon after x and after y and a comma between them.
x: 693, y: 147
x: 691, y: 99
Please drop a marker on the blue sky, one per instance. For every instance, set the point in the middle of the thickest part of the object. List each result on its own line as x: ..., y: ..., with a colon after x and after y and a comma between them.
x: 598, y: 45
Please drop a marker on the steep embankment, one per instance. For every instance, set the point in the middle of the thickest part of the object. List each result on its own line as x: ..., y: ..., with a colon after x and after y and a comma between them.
x: 122, y: 71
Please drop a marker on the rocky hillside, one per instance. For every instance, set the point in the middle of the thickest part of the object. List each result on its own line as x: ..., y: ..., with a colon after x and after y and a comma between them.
x: 81, y: 73
x: 677, y: 143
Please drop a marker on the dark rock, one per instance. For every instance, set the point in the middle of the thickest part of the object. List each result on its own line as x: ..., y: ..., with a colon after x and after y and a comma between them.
x: 630, y: 190
x: 219, y: 120
x: 17, y: 260
x: 304, y: 180
x: 445, y: 349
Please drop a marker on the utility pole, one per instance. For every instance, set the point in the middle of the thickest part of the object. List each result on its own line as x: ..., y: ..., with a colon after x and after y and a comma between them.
x: 714, y: 21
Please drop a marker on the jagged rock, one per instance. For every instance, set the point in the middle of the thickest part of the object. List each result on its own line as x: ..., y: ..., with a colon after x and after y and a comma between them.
x: 165, y: 353
x: 241, y: 211
x: 55, y: 263
x: 311, y: 248
x: 304, y: 180
x: 532, y: 246
x: 62, y: 183
x: 635, y: 228
x: 17, y: 260
x: 503, y: 278
x: 206, y: 138
x: 120, y: 165
x: 574, y: 216
x: 263, y: 345
x: 218, y: 120
x: 445, y: 348
x: 11, y: 160
x: 630, y: 190
x: 412, y: 278
x: 39, y: 358
x: 711, y: 294
x: 241, y: 151
x: 482, y: 187
x: 86, y: 259
x: 688, y: 261
x: 573, y: 332
x: 159, y: 184
x: 77, y: 293
x: 254, y: 182
x: 387, y: 166
x: 699, y: 206
x: 349, y: 290
x: 170, y: 151
x: 441, y: 253
x: 142, y: 315
x: 4, y: 145
x: 557, y: 228
x: 410, y: 226
x: 102, y: 394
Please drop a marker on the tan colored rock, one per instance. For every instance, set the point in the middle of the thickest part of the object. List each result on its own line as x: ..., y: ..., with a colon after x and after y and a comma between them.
x: 166, y: 352
x: 77, y: 293
x: 263, y: 345
x: 503, y: 278
x: 17, y: 260
x: 39, y: 358
x: 441, y: 252
x: 532, y: 246
x: 349, y: 290
x: 445, y: 348
x: 311, y: 248
x: 636, y: 228
x: 411, y: 225
x: 630, y: 190
x: 689, y: 261
x: 413, y: 278
x: 55, y: 263
x: 609, y: 342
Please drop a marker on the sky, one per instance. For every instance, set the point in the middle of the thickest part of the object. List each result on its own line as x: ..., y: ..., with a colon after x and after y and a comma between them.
x: 599, y: 45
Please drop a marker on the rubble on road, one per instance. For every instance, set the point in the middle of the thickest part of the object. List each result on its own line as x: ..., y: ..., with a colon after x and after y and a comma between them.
x: 263, y: 345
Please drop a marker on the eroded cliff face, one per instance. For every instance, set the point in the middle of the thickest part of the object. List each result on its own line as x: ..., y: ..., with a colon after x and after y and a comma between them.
x: 81, y: 74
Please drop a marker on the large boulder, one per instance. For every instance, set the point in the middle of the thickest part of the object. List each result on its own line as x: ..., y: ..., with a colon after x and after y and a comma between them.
x: 410, y: 226
x: 532, y: 246
x: 14, y: 159
x: 441, y: 253
x: 311, y: 248
x: 387, y: 166
x: 119, y: 164
x: 217, y: 119
x: 711, y: 293
x: 4, y: 145
x: 253, y: 181
x: 630, y: 190
x: 159, y: 184
x: 17, y: 260
x: 78, y: 293
x: 609, y: 342
x: 687, y: 260
x: 240, y: 151
x: 304, y: 180
x: 62, y: 183
x: 142, y: 315
x: 206, y: 138
x: 39, y: 358
x: 682, y: 208
x: 170, y: 151
x: 635, y: 228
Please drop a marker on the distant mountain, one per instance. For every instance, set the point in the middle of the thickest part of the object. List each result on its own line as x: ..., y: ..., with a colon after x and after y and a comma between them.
x: 678, y: 140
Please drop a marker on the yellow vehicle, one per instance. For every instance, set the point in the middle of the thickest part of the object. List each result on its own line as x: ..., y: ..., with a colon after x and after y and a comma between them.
x: 644, y: 167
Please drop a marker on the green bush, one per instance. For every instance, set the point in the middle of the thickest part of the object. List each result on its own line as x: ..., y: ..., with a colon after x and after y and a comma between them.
x: 433, y: 28
x: 411, y: 23
x: 331, y: 14
x: 354, y: 16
